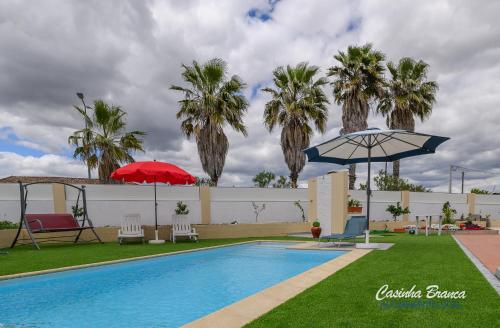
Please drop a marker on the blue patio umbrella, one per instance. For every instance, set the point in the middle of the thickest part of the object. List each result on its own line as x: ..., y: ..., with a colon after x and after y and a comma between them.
x: 373, y: 145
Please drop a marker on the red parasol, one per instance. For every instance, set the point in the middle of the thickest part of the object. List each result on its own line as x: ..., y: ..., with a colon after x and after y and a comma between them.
x: 153, y: 172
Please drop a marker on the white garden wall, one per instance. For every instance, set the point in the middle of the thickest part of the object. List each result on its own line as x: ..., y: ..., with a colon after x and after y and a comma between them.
x: 488, y: 205
x: 378, y: 202
x: 236, y: 204
x: 426, y: 203
x: 40, y: 200
x: 107, y: 204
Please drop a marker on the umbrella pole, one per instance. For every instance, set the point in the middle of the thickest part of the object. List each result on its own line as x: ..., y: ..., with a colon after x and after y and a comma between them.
x: 156, y: 213
x: 156, y: 240
x: 368, y: 192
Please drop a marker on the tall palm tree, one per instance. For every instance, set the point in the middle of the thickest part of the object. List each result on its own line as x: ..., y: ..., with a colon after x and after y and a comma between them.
x: 104, y: 143
x: 358, y: 79
x: 210, y: 102
x: 408, y: 95
x: 297, y: 100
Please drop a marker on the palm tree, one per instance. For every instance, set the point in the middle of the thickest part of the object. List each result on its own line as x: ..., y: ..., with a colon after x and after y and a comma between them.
x: 297, y: 100
x: 210, y: 102
x: 104, y: 144
x: 408, y: 95
x: 358, y: 79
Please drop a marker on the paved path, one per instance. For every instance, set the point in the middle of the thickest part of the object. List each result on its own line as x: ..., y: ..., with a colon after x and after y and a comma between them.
x: 485, y: 247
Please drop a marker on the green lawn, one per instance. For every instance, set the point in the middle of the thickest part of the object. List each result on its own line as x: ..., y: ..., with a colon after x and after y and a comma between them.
x: 25, y: 258
x: 347, y: 298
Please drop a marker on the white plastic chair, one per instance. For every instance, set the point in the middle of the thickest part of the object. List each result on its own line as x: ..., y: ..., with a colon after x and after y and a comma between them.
x: 131, y: 228
x: 182, y: 227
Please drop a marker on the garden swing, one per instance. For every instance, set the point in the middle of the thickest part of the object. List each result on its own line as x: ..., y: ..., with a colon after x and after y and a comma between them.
x: 53, y: 222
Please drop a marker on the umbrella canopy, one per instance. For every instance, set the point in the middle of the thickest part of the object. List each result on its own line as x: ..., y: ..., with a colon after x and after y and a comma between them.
x: 378, y: 145
x: 373, y: 145
x: 153, y: 172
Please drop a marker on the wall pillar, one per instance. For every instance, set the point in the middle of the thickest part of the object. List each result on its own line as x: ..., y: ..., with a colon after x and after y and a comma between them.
x: 59, y: 198
x: 405, y: 202
x: 205, y: 200
x: 312, y: 192
x: 471, y: 203
x: 339, y: 183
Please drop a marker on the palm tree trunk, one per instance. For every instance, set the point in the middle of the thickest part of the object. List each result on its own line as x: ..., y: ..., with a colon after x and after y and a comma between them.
x: 293, y: 140
x: 294, y: 176
x: 395, y: 169
x: 352, y: 176
x: 212, y: 146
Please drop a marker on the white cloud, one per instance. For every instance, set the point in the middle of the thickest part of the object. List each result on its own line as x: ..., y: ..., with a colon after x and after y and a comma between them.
x: 130, y: 52
x: 46, y: 165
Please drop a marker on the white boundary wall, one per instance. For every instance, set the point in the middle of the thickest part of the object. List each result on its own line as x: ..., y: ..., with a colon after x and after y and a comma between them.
x: 488, y: 205
x: 378, y: 203
x: 40, y: 200
x: 427, y: 203
x: 235, y: 204
x: 108, y: 203
x: 421, y: 203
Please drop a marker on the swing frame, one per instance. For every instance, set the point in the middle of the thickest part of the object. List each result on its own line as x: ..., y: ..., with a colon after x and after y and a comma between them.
x: 86, y: 223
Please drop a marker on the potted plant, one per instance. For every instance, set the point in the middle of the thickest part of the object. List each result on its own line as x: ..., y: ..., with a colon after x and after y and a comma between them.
x: 181, y: 210
x: 316, y: 229
x: 354, y: 206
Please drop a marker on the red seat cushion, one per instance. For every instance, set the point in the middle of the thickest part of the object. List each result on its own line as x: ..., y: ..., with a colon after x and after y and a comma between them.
x: 51, y: 222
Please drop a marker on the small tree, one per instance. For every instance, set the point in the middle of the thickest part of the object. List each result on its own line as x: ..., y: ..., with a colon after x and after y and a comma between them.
x: 263, y: 179
x: 397, y: 210
x: 257, y: 210
x: 448, y: 213
x: 282, y: 182
x: 388, y: 182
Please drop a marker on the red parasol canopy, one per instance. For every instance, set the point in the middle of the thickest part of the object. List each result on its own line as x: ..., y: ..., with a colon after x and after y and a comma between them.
x: 151, y: 172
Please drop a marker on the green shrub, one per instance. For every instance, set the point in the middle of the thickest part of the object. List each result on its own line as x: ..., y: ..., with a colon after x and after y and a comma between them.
x: 353, y: 203
x: 316, y: 224
x: 182, y: 209
x: 8, y: 225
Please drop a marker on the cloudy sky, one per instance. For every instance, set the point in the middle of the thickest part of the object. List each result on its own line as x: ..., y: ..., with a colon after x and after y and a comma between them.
x: 130, y: 52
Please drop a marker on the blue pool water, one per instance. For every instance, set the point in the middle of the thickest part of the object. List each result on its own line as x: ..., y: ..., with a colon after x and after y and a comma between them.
x: 166, y: 291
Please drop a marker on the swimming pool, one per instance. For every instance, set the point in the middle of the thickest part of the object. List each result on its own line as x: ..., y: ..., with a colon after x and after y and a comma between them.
x: 166, y: 291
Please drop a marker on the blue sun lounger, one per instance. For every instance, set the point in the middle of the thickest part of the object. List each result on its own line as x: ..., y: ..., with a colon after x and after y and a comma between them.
x: 354, y: 227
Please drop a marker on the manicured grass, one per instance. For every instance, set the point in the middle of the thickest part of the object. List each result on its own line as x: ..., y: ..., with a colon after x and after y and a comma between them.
x: 25, y: 258
x: 347, y: 298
